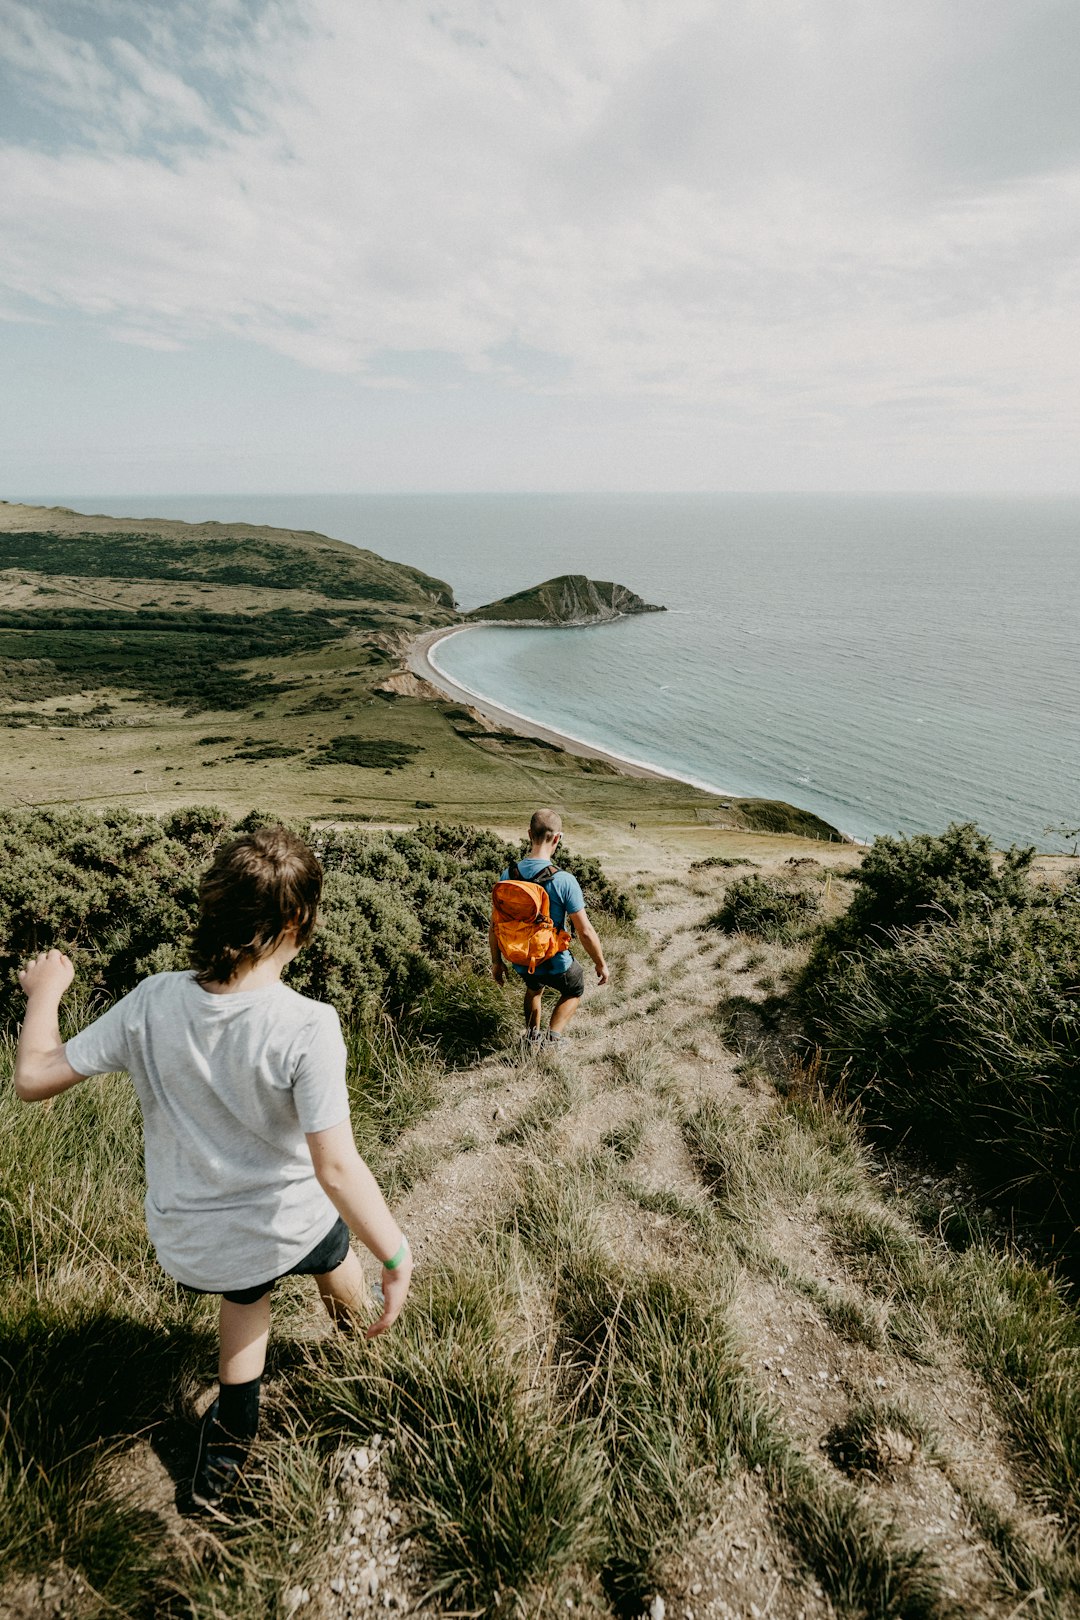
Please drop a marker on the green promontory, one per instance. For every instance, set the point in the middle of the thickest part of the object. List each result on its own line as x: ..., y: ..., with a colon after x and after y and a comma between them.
x: 569, y: 599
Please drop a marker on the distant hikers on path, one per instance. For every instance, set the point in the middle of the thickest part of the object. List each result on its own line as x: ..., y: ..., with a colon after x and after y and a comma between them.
x: 532, y: 903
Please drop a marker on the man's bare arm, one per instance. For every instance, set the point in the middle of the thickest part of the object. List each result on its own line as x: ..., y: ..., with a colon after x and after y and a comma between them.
x: 497, y: 968
x: 588, y: 936
x: 41, y: 1069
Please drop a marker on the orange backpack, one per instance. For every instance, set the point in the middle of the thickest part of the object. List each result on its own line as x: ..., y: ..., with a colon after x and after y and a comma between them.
x: 521, y: 917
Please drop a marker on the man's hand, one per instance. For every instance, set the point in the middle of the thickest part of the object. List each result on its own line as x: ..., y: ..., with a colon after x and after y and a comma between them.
x: 395, y: 1288
x: 498, y: 972
x: 602, y: 974
x: 48, y: 973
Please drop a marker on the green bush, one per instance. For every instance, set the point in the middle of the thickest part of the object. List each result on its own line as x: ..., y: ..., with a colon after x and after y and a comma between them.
x: 725, y: 861
x: 368, y: 754
x: 904, y: 882
x: 769, y: 908
x: 601, y: 894
x: 467, y: 1013
x: 946, y: 997
x: 402, y: 913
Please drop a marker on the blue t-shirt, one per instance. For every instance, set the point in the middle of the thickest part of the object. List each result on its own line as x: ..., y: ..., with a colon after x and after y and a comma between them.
x: 564, y: 896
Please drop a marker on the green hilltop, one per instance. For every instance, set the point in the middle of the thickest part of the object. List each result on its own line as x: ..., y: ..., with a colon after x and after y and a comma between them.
x: 56, y: 541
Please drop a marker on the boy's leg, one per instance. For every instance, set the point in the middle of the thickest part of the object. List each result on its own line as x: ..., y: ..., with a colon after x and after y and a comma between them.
x: 244, y: 1332
x: 230, y: 1424
x: 342, y: 1291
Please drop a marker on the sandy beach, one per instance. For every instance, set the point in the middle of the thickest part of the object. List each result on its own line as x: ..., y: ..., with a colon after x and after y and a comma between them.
x: 420, y: 661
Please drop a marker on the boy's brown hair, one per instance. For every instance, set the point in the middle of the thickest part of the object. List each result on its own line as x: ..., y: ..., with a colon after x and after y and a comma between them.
x: 254, y: 888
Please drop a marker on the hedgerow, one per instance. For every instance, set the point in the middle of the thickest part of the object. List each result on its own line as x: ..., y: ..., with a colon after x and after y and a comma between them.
x: 403, y: 923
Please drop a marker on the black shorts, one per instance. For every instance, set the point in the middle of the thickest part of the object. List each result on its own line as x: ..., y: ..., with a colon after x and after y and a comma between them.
x: 327, y: 1255
x: 570, y: 984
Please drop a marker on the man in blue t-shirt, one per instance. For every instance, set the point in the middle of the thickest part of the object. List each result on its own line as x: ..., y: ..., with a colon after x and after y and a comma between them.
x: 560, y: 973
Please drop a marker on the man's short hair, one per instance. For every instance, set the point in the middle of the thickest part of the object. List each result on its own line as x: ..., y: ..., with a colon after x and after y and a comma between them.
x: 545, y: 824
x: 255, y: 887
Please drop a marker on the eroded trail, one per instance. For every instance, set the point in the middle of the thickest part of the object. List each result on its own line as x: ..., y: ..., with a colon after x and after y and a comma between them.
x: 867, y: 1472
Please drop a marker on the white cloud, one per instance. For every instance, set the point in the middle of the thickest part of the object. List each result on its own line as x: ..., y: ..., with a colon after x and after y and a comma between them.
x: 793, y: 212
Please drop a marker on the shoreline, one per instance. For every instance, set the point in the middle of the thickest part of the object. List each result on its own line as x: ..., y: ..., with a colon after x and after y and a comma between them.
x: 420, y: 661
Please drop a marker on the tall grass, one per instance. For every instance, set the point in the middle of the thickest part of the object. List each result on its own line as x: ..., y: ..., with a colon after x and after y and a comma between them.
x: 98, y: 1346
x: 1010, y: 1320
x: 504, y: 1477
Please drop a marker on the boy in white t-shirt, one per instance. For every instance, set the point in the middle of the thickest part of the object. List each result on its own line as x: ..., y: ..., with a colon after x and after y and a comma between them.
x: 251, y: 1168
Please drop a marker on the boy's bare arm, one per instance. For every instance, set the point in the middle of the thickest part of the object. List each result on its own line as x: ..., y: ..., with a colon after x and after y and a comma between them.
x: 41, y: 1069
x: 354, y: 1193
x: 590, y: 939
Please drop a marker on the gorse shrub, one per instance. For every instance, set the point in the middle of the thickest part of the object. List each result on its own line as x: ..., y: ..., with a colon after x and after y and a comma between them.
x: 906, y: 882
x: 400, y: 911
x: 766, y: 907
x: 947, y: 996
x: 466, y: 1012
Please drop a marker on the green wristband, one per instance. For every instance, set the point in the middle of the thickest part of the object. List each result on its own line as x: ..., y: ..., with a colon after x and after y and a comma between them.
x: 396, y: 1259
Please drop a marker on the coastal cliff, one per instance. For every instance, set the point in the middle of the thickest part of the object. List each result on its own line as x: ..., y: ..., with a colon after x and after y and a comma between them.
x: 569, y: 599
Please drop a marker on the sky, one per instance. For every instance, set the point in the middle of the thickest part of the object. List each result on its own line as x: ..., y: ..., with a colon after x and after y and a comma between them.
x: 353, y: 245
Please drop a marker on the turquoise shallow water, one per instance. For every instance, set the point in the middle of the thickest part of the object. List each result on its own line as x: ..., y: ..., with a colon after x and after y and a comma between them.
x: 890, y: 662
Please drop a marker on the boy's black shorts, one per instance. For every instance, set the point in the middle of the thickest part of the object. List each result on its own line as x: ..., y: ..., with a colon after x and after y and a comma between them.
x: 570, y: 984
x: 326, y: 1256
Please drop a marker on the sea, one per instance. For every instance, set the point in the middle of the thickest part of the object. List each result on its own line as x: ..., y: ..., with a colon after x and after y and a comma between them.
x: 891, y: 662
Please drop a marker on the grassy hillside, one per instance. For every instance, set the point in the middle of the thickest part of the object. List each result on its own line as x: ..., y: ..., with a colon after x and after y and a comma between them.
x: 58, y: 543
x: 680, y: 1342
x: 154, y: 664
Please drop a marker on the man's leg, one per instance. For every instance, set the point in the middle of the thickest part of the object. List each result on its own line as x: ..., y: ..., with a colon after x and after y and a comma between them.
x: 567, y: 1007
x: 534, y: 1000
x: 571, y: 988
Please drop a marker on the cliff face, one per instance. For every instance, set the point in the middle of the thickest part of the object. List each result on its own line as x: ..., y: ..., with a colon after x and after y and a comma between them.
x: 569, y: 599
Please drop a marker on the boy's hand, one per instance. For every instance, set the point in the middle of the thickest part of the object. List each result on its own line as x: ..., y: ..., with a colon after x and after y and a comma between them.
x: 395, y: 1288
x: 50, y: 972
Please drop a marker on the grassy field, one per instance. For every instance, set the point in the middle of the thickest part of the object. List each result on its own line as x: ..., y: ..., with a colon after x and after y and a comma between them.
x: 161, y: 664
x: 679, y: 1343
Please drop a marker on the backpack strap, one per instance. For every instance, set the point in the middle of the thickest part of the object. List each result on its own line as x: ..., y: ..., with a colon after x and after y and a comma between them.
x: 541, y: 877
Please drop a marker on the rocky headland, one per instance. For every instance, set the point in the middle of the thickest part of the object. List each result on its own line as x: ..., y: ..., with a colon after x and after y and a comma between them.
x: 568, y: 599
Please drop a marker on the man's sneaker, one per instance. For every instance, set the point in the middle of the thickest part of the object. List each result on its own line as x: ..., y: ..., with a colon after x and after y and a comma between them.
x: 219, y: 1462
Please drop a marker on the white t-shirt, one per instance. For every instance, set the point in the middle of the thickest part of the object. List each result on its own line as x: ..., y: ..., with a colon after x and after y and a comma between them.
x: 229, y: 1084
